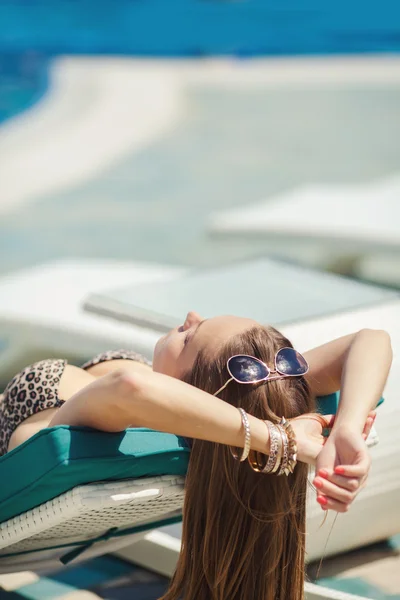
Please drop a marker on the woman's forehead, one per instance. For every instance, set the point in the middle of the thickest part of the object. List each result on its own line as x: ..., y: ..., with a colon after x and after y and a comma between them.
x: 222, y: 328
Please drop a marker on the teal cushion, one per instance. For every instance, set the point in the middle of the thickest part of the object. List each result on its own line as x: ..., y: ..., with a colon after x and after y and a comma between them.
x: 328, y: 405
x: 57, y: 459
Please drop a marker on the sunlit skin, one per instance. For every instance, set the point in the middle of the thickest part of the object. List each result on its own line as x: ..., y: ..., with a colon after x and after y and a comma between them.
x: 176, y: 352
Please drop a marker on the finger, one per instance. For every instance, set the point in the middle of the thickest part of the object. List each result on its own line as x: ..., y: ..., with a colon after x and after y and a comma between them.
x: 329, y: 489
x: 358, y: 470
x: 329, y: 504
x: 369, y: 423
x: 367, y: 427
x: 329, y: 420
x: 326, y: 422
x: 349, y: 483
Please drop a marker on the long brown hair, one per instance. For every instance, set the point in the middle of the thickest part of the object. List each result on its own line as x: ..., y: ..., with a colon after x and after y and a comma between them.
x: 243, y: 532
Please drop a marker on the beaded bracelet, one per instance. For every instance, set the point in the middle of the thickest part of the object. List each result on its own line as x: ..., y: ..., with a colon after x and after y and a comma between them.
x: 274, y: 443
x: 247, y: 437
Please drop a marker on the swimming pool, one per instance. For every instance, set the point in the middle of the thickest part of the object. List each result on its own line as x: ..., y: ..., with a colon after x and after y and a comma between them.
x: 23, y: 81
x: 200, y: 27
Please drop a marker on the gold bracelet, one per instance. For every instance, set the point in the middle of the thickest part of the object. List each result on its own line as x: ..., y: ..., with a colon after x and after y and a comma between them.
x: 255, y: 461
x: 292, y: 445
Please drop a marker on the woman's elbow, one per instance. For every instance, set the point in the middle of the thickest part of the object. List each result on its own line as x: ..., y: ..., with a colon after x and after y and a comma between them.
x: 380, y: 336
x: 126, y: 384
x: 381, y: 333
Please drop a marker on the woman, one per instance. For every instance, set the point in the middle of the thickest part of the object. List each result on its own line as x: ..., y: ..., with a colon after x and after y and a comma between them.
x: 243, y: 532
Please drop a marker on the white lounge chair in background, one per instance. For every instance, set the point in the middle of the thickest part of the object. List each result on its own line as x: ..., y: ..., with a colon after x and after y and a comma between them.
x: 327, y: 226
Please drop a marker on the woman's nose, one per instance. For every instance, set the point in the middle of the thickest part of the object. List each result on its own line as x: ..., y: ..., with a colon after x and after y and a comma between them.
x: 192, y: 318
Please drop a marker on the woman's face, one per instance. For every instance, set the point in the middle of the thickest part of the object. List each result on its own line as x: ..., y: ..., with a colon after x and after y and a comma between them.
x: 176, y: 352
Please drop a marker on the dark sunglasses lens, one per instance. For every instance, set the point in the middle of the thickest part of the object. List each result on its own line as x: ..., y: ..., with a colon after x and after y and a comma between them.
x: 247, y: 369
x: 291, y: 362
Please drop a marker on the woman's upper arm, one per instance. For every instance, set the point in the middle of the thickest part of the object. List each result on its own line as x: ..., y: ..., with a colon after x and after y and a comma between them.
x: 326, y: 364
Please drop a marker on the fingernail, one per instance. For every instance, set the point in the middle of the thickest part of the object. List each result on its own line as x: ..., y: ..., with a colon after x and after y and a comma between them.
x: 322, y: 473
x: 318, y: 483
x: 339, y: 470
x: 322, y: 500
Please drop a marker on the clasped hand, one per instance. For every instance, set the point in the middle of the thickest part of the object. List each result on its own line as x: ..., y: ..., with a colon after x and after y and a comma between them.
x: 341, y: 460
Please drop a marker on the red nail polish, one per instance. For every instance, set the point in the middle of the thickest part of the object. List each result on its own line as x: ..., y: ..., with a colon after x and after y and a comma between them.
x: 339, y: 470
x: 322, y: 500
x: 317, y: 483
x: 322, y: 473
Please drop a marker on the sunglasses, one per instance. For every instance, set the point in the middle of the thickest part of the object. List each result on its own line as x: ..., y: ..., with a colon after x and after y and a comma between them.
x: 248, y: 369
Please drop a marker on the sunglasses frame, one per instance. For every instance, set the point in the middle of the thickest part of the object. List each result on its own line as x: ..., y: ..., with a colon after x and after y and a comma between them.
x: 269, y: 371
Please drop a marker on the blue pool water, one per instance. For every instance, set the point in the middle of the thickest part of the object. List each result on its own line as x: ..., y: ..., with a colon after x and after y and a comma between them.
x: 23, y: 81
x: 200, y: 27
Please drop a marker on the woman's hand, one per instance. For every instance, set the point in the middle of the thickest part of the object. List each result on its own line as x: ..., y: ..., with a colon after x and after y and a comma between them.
x: 342, y: 467
x: 308, y: 429
x: 342, y: 460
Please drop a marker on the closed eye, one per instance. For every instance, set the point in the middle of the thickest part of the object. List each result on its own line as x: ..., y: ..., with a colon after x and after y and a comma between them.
x: 190, y: 333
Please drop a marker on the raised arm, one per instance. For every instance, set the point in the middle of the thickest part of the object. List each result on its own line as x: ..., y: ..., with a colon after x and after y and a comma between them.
x: 358, y: 365
x: 147, y: 399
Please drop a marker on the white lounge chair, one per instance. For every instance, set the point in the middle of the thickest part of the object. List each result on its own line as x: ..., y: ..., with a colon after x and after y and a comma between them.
x: 325, y: 225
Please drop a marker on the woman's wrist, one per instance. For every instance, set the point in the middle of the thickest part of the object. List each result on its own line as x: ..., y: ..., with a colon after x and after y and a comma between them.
x: 346, y: 430
x: 260, y: 441
x: 348, y: 423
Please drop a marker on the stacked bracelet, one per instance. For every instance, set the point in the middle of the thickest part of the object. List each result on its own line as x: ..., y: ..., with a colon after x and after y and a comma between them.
x: 282, y: 456
x: 247, y: 437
